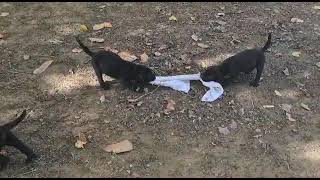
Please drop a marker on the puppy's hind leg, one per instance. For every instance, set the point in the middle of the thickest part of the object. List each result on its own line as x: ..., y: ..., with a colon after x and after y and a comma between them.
x: 132, y: 85
x: 255, y: 82
x: 4, y: 160
x: 12, y: 140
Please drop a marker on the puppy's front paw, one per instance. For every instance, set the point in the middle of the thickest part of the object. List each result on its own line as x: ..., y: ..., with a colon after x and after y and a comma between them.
x: 105, y: 87
x: 254, y: 84
x: 31, y: 158
x: 139, y: 89
x: 3, y: 162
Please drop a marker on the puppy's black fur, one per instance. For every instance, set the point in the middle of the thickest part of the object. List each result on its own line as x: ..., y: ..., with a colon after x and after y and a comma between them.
x: 9, y: 139
x: 245, y: 61
x: 133, y: 76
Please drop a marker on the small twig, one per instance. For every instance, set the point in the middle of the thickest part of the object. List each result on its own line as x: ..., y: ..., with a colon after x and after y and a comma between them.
x: 135, y: 100
x: 86, y: 62
x: 252, y: 104
x: 14, y: 71
x: 44, y: 56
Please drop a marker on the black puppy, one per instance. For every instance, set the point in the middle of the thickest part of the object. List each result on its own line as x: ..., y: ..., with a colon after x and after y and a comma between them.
x: 8, y: 138
x: 245, y: 61
x: 133, y: 76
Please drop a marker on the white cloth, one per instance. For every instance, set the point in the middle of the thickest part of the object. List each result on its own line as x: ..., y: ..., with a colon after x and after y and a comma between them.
x: 182, y: 83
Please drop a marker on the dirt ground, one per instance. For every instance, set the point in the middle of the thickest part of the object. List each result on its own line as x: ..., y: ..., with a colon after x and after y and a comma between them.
x: 64, y: 100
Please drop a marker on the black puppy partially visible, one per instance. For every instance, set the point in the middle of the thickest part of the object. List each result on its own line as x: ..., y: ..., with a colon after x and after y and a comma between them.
x: 133, y: 76
x: 8, y: 138
x: 245, y: 61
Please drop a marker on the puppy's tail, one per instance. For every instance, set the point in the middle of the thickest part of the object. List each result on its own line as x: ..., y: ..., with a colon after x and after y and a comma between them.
x: 14, y: 123
x: 268, y: 43
x: 85, y: 48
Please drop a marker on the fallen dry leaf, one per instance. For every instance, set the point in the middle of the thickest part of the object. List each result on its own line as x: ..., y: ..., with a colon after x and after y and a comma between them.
x: 55, y: 41
x: 296, y: 20
x: 316, y: 7
x: 98, y: 40
x: 173, y: 18
x: 289, y: 117
x: 233, y: 125
x: 71, y: 71
x: 286, y: 71
x: 83, y: 28
x: 144, y: 58
x: 170, y: 106
x: 139, y: 103
x: 79, y: 144
x: 318, y: 64
x: 43, y: 67
x: 110, y: 49
x: 220, y: 14
x: 277, y: 93
x: 81, y: 141
x: 4, y: 14
x: 123, y: 146
x: 268, y: 106
x: 286, y: 107
x: 102, y: 99
x: 127, y: 56
x: 296, y: 54
x: 304, y: 106
x: 82, y: 137
x: 194, y: 37
x: 26, y: 57
x: 157, y: 54
x: 224, y: 131
x: 101, y: 26
x: 202, y: 45
x: 76, y: 50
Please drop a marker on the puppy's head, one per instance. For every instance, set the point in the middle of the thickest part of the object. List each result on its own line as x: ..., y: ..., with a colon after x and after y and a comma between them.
x: 212, y: 74
x: 146, y: 74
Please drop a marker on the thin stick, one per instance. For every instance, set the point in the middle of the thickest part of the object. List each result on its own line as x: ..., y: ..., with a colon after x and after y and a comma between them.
x: 44, y: 55
x: 135, y: 100
x: 25, y: 72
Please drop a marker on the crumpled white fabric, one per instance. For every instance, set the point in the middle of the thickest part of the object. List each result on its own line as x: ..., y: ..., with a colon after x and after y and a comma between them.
x: 182, y: 83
